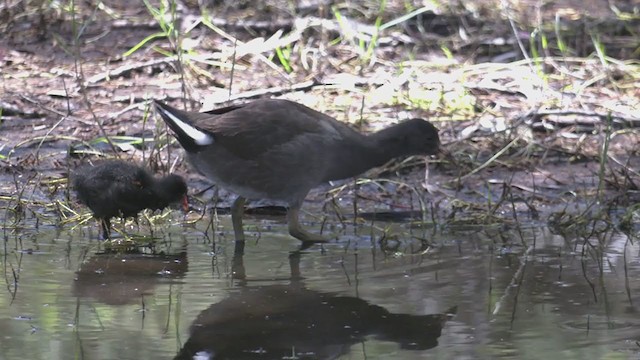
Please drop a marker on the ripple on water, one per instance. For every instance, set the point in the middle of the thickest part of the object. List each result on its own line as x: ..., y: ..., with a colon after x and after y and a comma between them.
x: 600, y: 323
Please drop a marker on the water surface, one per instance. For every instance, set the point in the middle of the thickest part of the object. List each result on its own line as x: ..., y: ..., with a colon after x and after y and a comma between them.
x: 479, y: 293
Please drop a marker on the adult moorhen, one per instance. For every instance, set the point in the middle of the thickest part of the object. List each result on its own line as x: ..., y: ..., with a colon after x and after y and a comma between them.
x: 118, y: 188
x: 279, y: 150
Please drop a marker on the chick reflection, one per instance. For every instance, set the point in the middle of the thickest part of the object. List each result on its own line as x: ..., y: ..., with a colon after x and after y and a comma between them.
x: 289, y: 321
x: 119, y: 279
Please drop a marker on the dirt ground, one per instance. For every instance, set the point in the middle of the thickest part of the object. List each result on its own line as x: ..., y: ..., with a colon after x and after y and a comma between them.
x: 528, y: 96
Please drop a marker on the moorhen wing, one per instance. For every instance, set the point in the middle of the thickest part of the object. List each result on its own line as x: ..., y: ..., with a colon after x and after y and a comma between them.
x: 117, y: 188
x: 279, y: 150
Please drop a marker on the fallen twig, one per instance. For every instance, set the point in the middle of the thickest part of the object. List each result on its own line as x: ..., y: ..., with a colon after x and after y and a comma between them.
x: 126, y: 69
x: 617, y: 119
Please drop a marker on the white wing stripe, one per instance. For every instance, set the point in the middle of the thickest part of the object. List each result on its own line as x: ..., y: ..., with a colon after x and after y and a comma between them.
x: 199, y: 137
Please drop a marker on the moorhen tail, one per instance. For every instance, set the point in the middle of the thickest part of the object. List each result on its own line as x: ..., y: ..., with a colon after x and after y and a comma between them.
x: 279, y: 150
x: 116, y: 188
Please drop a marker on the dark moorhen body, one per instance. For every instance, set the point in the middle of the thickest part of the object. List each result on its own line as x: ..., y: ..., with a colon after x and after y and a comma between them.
x: 117, y: 188
x: 279, y: 150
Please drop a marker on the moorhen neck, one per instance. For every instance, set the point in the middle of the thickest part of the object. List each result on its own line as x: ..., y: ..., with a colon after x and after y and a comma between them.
x: 279, y: 150
x: 117, y: 188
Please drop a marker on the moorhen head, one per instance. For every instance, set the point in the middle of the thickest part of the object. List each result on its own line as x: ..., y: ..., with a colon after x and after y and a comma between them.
x: 117, y: 188
x: 279, y: 150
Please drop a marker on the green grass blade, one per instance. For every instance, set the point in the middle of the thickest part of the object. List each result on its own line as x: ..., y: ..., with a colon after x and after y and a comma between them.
x: 143, y: 42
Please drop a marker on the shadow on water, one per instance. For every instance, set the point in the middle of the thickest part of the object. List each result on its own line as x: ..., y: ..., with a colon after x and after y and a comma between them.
x: 291, y: 321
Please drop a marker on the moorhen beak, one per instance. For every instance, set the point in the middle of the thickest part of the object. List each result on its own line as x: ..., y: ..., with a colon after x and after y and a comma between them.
x: 117, y: 188
x: 279, y: 150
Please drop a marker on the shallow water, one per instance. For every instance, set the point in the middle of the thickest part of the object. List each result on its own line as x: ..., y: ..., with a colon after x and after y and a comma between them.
x: 481, y: 293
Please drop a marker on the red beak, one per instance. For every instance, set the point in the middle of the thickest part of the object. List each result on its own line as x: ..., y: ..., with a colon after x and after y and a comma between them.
x: 185, y: 203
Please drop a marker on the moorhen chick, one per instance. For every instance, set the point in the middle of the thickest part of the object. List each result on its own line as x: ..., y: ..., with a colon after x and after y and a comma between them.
x: 279, y: 150
x: 118, y: 188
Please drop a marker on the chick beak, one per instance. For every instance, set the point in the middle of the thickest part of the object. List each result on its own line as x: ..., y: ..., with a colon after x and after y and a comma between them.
x: 185, y: 203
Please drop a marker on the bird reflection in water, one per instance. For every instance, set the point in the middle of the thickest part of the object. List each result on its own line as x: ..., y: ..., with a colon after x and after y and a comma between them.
x: 123, y: 278
x: 290, y: 321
